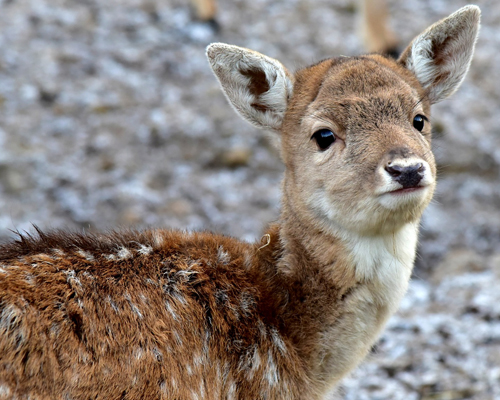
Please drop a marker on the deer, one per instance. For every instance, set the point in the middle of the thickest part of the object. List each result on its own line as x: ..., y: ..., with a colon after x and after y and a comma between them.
x: 164, y: 314
x: 206, y: 11
x: 374, y: 29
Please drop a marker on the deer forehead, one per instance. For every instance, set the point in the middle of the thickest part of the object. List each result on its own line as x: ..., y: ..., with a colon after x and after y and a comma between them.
x: 354, y: 94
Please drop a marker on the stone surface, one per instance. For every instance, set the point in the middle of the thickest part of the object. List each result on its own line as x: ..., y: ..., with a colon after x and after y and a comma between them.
x: 110, y: 116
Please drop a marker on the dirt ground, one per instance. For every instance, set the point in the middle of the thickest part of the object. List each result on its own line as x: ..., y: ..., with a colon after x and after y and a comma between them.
x: 110, y: 116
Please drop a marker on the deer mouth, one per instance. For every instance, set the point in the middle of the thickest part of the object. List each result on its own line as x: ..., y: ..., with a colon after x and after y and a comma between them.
x: 407, y: 190
x: 395, y: 198
x: 399, y: 190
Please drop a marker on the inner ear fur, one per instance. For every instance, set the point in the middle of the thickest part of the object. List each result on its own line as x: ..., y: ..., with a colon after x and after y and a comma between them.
x: 257, y: 86
x: 440, y: 56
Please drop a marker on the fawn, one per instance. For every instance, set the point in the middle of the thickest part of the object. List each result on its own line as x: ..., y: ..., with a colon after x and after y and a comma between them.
x: 176, y: 315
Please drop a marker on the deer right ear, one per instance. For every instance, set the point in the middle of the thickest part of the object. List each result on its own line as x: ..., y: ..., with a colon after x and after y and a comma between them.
x: 441, y: 55
x: 257, y: 86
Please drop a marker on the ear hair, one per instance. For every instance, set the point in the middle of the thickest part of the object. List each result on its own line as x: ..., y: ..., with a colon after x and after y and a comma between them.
x: 257, y: 86
x: 440, y: 57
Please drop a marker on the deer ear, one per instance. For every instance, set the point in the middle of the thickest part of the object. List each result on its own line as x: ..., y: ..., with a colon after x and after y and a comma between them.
x: 258, y: 87
x: 440, y: 56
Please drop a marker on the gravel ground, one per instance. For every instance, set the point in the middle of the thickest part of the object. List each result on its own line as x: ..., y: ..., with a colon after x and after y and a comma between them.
x: 109, y: 116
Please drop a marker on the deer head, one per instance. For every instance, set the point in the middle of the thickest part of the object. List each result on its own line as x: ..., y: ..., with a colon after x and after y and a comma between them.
x: 354, y: 132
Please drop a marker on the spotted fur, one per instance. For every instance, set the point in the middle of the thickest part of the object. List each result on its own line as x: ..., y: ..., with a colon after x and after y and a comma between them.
x: 145, y: 323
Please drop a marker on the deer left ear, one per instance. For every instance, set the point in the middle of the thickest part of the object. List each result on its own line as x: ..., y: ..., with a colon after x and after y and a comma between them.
x: 440, y: 57
x: 257, y: 86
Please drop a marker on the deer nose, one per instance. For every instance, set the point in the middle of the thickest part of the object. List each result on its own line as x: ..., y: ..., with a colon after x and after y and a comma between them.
x: 408, y: 176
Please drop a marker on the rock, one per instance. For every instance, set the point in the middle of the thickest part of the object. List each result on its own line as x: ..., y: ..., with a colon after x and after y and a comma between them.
x: 494, y: 264
x: 236, y: 157
x: 458, y: 262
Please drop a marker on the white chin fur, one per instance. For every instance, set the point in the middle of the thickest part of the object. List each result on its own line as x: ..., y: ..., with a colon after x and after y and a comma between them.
x: 395, y: 201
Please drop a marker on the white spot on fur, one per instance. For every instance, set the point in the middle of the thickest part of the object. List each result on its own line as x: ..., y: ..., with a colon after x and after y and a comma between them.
x: 197, y: 360
x: 178, y: 338
x: 124, y: 254
x: 144, y: 249
x: 218, y: 371
x: 30, y: 279
x: 88, y: 275
x: 110, y: 257
x: 149, y: 281
x: 272, y: 374
x: 10, y: 318
x: 178, y: 296
x: 225, y: 371
x: 247, y: 303
x: 58, y: 252
x: 277, y: 340
x: 112, y: 304
x: 250, y: 362
x: 72, y: 279
x: 231, y: 392
x: 3, y: 270
x: 206, y: 345
x: 262, y: 329
x: 86, y: 255
x: 54, y: 330
x: 158, y: 239
x: 171, y: 311
x: 139, y: 353
x: 157, y: 354
x: 4, y: 391
x: 202, y: 389
x: 255, y: 359
x: 134, y: 308
x: 223, y: 256
x: 189, y: 369
x: 186, y: 273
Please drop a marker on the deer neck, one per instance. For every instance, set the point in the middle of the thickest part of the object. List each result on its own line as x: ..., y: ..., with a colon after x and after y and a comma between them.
x: 342, y: 287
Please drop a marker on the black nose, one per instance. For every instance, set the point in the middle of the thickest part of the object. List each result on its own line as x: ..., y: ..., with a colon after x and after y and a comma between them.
x: 409, y: 176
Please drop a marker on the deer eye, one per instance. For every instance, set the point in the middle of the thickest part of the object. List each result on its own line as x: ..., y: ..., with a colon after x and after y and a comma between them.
x: 324, y: 138
x: 418, y: 122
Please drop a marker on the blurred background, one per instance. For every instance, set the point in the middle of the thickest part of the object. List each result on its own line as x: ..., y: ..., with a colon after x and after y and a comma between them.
x: 110, y: 117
